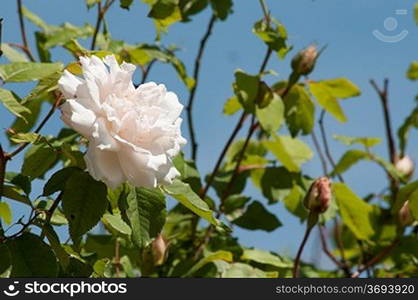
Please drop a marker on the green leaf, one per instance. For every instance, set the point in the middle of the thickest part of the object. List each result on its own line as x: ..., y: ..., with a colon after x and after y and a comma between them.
x: 185, y: 195
x: 265, y: 258
x: 188, y: 171
x: 403, y: 131
x: 12, y: 102
x: 273, y: 34
x: 60, y: 253
x: 19, y: 180
x: 116, y: 223
x: 84, y: 203
x: 28, y: 71
x: 325, y: 98
x: 165, y: 13
x: 5, y: 263
x: 12, y: 54
x: 218, y: 255
x: 246, y: 89
x: 5, y: 213
x: 413, y: 204
x: 240, y: 270
x: 40, y: 261
x: 66, y: 33
x: 355, y: 213
x: 38, y: 160
x: 91, y: 3
x: 58, y: 180
x: 299, y: 111
x: 125, y: 4
x: 271, y: 117
x: 350, y: 158
x: 292, y: 153
x: 221, y: 8
x: 14, y: 193
x: 403, y: 195
x: 365, y: 141
x: 412, y: 72
x: 341, y: 88
x: 36, y: 20
x: 231, y: 106
x: 256, y: 217
x: 146, y: 212
x: 30, y: 137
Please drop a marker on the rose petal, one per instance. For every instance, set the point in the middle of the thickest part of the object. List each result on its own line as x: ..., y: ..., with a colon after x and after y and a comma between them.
x: 78, y: 117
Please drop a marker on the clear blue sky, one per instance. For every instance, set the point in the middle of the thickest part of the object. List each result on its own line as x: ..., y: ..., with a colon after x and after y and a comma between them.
x: 345, y: 26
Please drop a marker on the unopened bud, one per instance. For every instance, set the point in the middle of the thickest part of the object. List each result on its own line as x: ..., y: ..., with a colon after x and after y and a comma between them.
x: 405, y: 216
x: 159, y: 248
x: 304, y: 62
x: 319, y: 196
x: 405, y: 166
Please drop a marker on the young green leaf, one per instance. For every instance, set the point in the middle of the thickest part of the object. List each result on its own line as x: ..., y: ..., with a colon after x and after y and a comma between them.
x: 265, y: 258
x: 292, y: 153
x: 84, y: 202
x: 146, y: 211
x: 240, y: 270
x: 40, y: 261
x: 412, y: 72
x: 218, y: 255
x: 185, y: 195
x: 271, y: 117
x: 246, y: 89
x: 5, y: 213
x: 232, y: 106
x: 365, y: 141
x: 221, y: 8
x: 12, y: 54
x: 299, y: 110
x: 256, y: 217
x: 28, y: 71
x: 356, y: 214
x: 12, y: 102
x: 39, y: 159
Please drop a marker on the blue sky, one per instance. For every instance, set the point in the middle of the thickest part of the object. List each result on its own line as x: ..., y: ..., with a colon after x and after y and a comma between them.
x: 353, y: 52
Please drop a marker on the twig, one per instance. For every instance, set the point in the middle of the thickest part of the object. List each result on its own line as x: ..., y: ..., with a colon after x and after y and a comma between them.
x: 146, y: 71
x: 1, y: 31
x: 326, y: 145
x: 189, y: 107
x: 340, y: 264
x: 101, y: 11
x: 23, y: 31
x: 300, y: 250
x: 22, y: 146
x: 223, y: 153
x: 383, y: 95
x: 117, y: 258
x: 3, y: 163
x: 50, y: 212
x: 320, y: 154
x: 24, y: 226
x: 381, y: 255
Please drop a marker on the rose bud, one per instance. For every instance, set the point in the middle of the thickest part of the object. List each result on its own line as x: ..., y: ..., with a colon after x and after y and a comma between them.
x: 405, y: 166
x: 319, y: 196
x: 159, y: 249
x: 405, y: 217
x: 304, y: 62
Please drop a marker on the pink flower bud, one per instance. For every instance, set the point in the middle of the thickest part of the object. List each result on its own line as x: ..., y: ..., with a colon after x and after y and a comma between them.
x: 405, y: 166
x: 319, y: 196
x: 405, y: 217
x: 304, y: 62
x: 159, y: 249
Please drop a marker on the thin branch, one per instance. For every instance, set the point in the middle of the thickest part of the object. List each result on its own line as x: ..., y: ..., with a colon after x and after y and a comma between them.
x: 147, y: 70
x: 197, y: 63
x: 3, y: 162
x: 223, y: 153
x: 50, y: 213
x: 381, y: 255
x: 326, y: 145
x: 23, y: 31
x: 98, y: 24
x: 117, y: 257
x: 320, y: 154
x: 22, y: 146
x: 340, y: 264
x: 300, y: 250
x: 1, y: 31
x: 383, y: 95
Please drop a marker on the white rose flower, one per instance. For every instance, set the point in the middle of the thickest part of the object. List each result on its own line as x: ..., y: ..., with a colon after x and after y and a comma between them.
x: 133, y: 132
